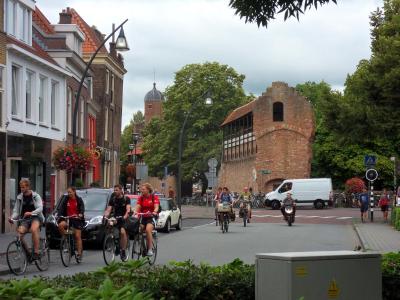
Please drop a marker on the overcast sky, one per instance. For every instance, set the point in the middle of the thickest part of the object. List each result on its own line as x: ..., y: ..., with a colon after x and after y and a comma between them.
x: 165, y: 35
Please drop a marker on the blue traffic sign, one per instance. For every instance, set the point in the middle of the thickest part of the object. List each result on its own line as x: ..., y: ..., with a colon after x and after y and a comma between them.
x: 369, y: 160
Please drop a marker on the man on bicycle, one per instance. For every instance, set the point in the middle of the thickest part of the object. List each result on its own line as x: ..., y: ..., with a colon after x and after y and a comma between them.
x: 246, y: 198
x: 225, y: 197
x: 120, y: 206
x: 72, y: 206
x: 148, y: 203
x: 28, y: 207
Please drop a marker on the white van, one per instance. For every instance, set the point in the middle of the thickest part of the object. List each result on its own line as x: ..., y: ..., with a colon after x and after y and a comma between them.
x: 306, y: 192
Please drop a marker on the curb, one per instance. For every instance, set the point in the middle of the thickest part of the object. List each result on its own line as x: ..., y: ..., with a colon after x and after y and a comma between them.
x: 362, y: 243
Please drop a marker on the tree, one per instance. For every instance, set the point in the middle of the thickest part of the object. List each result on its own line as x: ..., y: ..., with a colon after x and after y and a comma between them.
x: 263, y: 11
x: 202, y: 137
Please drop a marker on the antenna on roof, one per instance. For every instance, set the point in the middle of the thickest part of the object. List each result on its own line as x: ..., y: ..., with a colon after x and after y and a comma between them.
x: 154, y: 74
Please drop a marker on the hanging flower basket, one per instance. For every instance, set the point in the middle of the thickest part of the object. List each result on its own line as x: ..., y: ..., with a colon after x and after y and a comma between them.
x: 71, y: 158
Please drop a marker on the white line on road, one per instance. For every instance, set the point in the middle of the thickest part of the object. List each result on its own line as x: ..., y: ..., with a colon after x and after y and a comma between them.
x: 344, y: 218
x: 328, y: 217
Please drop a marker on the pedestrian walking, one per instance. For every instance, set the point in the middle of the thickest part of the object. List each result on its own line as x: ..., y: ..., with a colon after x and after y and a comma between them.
x: 363, y: 202
x: 384, y: 204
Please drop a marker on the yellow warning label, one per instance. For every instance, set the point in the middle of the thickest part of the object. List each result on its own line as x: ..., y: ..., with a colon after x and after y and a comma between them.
x: 333, y: 291
x: 301, y: 271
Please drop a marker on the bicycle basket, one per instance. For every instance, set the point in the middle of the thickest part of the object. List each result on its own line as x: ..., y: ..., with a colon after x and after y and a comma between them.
x: 223, y: 207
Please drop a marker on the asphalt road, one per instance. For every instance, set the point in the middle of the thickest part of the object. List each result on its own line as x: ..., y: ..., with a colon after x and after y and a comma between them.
x: 202, y: 241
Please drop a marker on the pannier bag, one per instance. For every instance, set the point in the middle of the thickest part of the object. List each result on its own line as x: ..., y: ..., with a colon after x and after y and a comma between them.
x: 132, y: 226
x: 224, y: 207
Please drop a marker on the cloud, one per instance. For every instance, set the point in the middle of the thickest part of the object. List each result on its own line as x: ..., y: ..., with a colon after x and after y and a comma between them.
x: 164, y: 35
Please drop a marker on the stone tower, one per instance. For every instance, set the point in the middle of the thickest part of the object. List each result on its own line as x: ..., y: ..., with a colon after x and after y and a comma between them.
x: 153, y: 104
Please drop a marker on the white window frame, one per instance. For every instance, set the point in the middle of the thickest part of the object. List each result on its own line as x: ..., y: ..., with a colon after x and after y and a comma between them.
x: 69, y: 110
x: 32, y: 95
x: 11, y: 22
x: 2, y: 76
x: 107, y: 81
x: 42, y: 98
x: 54, y: 99
x: 106, y: 124
x: 16, y: 95
x: 112, y: 89
x: 82, y: 118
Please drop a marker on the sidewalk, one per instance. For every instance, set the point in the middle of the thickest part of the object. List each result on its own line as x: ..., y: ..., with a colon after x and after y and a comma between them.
x: 378, y: 236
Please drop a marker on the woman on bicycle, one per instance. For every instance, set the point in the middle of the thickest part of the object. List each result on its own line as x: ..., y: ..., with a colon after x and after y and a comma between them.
x: 148, y: 203
x: 72, y: 206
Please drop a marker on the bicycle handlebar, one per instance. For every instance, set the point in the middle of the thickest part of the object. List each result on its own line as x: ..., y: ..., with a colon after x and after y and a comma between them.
x: 145, y: 214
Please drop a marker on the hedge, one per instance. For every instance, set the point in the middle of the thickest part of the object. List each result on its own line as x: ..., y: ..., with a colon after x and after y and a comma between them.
x: 177, y: 280
x: 395, y: 218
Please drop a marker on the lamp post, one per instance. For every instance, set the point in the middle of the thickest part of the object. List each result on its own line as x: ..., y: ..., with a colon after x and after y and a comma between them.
x: 120, y: 45
x: 208, y: 101
x: 135, y: 139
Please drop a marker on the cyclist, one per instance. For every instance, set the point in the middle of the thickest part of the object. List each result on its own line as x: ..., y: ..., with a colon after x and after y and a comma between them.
x: 72, y: 206
x: 148, y: 203
x: 246, y: 196
x: 225, y: 197
x: 120, y: 206
x: 28, y: 207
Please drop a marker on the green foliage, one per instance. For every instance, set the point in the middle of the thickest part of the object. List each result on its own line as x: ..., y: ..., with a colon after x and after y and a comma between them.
x: 202, y: 136
x: 263, y: 11
x: 390, y: 276
x: 136, y: 124
x: 79, y: 183
x: 395, y: 218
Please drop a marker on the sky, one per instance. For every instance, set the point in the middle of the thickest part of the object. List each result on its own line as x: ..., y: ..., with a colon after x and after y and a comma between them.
x: 165, y: 35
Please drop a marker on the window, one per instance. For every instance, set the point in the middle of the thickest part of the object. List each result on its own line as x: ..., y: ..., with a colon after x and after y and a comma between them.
x: 69, y: 110
x: 285, y: 188
x: 90, y: 87
x: 54, y: 96
x: 1, y: 95
x: 25, y: 24
x: 29, y: 94
x: 15, y: 93
x: 278, y: 112
x: 42, y: 98
x: 82, y: 117
x: 11, y: 17
x: 106, y: 124
x: 107, y: 81
x: 112, y: 89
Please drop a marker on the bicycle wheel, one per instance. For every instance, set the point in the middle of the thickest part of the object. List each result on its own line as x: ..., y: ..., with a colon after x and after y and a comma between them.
x: 65, y: 251
x: 244, y: 218
x: 44, y: 261
x: 152, y: 259
x: 136, y: 247
x: 16, y: 258
x: 226, y: 223
x: 127, y: 251
x: 109, y: 249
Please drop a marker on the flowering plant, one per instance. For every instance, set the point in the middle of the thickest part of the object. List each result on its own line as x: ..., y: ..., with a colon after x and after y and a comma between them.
x: 72, y: 158
x: 354, y: 185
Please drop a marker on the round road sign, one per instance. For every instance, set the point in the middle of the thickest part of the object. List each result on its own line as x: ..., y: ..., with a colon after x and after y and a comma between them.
x: 371, y: 174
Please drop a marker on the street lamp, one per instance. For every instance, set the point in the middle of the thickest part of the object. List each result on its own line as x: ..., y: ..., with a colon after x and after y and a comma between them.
x: 393, y: 159
x: 135, y: 139
x: 121, y: 45
x: 206, y: 97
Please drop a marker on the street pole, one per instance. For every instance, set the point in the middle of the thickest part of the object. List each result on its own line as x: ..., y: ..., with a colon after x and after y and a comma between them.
x: 371, y: 199
x: 134, y: 167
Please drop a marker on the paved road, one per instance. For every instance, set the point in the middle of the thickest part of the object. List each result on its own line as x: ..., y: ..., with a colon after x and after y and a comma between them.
x: 202, y: 241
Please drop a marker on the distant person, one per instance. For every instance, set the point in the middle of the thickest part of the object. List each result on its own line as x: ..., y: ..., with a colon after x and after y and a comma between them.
x: 363, y: 201
x: 288, y: 201
x: 217, y: 199
x: 384, y: 204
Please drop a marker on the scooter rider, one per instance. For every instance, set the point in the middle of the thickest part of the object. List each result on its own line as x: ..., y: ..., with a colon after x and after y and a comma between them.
x: 288, y: 201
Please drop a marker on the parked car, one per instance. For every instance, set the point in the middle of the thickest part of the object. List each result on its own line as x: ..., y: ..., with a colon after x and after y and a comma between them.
x: 170, y: 216
x: 134, y: 199
x: 96, y: 201
x: 307, y: 192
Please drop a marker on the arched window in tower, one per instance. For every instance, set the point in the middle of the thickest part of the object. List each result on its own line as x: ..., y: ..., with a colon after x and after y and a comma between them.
x: 278, y: 112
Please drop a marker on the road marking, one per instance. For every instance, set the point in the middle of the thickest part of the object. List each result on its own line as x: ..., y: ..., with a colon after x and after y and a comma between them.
x: 328, y: 217
x: 344, y: 218
x: 310, y: 217
x: 198, y: 226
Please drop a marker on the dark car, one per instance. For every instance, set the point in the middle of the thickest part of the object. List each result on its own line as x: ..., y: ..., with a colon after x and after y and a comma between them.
x: 95, y: 204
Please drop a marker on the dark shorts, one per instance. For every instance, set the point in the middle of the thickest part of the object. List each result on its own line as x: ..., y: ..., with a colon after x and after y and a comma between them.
x: 147, y: 220
x: 74, y: 223
x: 384, y: 207
x: 121, y: 223
x: 28, y: 222
x: 364, y: 208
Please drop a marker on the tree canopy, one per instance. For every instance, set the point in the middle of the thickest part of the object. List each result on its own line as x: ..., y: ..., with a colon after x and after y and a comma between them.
x: 202, y: 136
x: 263, y: 11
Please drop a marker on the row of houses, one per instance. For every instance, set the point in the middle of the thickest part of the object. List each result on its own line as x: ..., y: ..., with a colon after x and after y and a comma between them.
x: 41, y: 65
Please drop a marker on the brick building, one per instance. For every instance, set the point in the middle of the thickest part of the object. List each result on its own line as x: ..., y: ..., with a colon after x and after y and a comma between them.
x: 268, y: 140
x: 108, y: 71
x: 153, y: 102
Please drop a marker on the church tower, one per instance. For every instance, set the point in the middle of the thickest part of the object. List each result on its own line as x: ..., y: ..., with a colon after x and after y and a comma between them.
x: 153, y: 104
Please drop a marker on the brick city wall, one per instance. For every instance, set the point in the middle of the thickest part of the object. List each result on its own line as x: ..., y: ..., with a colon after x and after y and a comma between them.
x: 284, y: 148
x: 237, y: 174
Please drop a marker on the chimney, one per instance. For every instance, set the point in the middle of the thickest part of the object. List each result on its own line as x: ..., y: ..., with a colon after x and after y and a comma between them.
x: 113, y: 51
x: 66, y: 16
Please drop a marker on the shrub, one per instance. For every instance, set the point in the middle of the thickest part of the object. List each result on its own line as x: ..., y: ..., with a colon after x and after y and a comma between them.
x: 354, y: 185
x: 390, y: 276
x: 395, y: 218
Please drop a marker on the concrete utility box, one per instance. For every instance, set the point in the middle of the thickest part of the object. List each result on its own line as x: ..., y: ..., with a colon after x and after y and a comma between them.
x: 344, y: 275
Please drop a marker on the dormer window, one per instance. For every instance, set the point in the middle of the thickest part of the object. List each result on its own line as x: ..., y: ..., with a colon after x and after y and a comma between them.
x: 19, y: 21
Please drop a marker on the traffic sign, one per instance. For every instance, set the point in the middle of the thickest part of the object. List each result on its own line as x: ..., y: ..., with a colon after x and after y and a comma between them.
x: 131, y: 146
x: 371, y: 175
x: 369, y: 160
x: 212, y: 163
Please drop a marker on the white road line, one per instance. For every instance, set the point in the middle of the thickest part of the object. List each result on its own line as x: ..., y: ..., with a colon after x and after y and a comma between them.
x: 198, y: 226
x: 310, y: 217
x: 344, y: 218
x: 328, y: 217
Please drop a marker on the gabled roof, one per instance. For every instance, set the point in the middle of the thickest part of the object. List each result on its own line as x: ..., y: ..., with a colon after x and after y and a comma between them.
x: 40, y: 19
x: 92, y: 40
x: 239, y: 112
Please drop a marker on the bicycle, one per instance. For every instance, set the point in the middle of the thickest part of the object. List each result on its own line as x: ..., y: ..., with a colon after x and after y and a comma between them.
x: 223, y: 210
x: 67, y: 244
x: 139, y: 248
x: 20, y: 255
x: 111, y: 244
